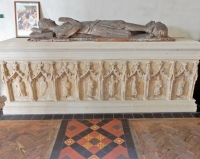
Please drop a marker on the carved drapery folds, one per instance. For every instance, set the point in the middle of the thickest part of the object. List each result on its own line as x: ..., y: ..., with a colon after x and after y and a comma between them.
x: 99, y: 80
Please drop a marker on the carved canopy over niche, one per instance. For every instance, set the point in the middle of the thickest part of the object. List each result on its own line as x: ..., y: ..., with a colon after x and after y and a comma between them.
x: 99, y: 80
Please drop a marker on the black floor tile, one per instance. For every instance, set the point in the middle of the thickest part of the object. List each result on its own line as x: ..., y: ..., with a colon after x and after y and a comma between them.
x: 6, y: 117
x: 111, y: 137
x: 88, y: 131
x: 132, y: 154
x: 17, y: 117
x: 76, y: 146
x: 177, y: 115
x: 68, y: 116
x: 76, y: 138
x: 148, y: 115
x: 63, y: 124
x: 157, y: 115
x: 86, y: 154
x: 195, y: 115
x: 126, y: 116
x: 138, y: 115
x: 86, y: 122
x: 55, y: 154
x: 187, y: 115
x: 119, y: 116
x: 129, y: 138
x: 81, y: 150
x: 127, y: 131
x: 37, y: 117
x: 58, y: 116
x: 61, y: 133
x: 57, y: 147
x: 88, y: 116
x: 125, y: 123
x: 27, y: 117
x: 98, y: 116
x: 60, y: 139
x: 109, y: 147
x: 108, y: 116
x: 47, y: 117
x: 130, y: 145
x: 167, y: 115
x: 101, y: 154
x: 78, y: 116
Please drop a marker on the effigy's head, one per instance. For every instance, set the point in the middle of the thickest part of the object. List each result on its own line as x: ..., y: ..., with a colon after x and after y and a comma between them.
x: 46, y: 23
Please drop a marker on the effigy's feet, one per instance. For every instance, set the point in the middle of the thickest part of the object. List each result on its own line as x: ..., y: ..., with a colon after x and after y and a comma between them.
x: 160, y: 30
x: 150, y: 26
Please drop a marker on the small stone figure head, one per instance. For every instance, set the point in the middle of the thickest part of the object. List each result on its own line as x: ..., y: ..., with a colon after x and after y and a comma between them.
x: 182, y: 78
x: 18, y: 78
x: 46, y: 23
x: 89, y: 79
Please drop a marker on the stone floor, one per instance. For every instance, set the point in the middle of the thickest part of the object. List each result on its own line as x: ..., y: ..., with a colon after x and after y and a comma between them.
x: 100, y: 136
x: 167, y: 138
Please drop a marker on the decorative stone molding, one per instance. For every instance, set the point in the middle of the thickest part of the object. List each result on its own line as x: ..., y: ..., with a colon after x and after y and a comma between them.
x: 99, y: 80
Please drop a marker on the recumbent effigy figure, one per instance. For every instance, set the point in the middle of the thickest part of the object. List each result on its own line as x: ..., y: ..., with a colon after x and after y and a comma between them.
x: 96, y: 29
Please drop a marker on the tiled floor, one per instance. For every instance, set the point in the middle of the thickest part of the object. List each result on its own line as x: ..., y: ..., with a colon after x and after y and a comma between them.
x: 27, y: 139
x: 87, y: 136
x: 96, y: 138
x: 167, y: 138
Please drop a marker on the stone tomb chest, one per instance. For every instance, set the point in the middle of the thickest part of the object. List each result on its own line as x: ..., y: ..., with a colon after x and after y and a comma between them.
x: 98, y: 77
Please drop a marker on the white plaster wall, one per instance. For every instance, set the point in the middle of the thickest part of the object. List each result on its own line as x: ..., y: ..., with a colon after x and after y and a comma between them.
x: 181, y: 16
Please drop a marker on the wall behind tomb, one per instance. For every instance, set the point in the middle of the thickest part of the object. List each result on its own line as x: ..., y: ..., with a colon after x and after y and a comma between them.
x: 181, y: 16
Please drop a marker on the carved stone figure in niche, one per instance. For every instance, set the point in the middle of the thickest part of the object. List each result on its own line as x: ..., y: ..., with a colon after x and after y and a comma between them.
x: 96, y: 29
x: 134, y: 88
x: 157, y: 86
x: 112, y: 87
x: 43, y: 86
x: 66, y: 86
x: 21, y: 88
x: 180, y: 87
x: 90, y: 88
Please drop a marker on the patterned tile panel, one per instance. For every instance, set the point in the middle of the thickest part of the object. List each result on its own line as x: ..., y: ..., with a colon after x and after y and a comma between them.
x: 94, y: 139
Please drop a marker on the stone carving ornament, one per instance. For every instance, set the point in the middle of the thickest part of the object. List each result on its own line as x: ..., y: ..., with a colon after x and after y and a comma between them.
x: 112, y: 87
x: 90, y: 88
x: 157, y: 86
x: 21, y: 89
x: 180, y: 87
x: 134, y: 88
x: 43, y: 85
x: 66, y: 86
x: 123, y: 80
x: 98, y: 30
